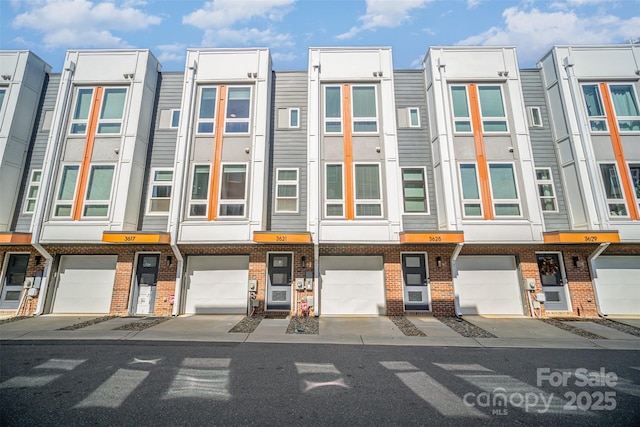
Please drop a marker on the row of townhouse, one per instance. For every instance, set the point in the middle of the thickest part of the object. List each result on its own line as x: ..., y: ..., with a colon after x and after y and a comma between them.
x: 467, y: 187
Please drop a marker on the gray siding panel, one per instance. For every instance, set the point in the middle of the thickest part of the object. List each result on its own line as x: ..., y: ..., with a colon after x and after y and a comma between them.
x: 163, y: 145
x: 289, y: 149
x: 413, y: 143
x: 36, y: 155
x: 543, y: 147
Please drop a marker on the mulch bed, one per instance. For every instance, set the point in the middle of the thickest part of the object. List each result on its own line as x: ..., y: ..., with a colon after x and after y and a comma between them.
x: 308, y: 325
x: 407, y: 327
x: 464, y: 328
x: 87, y: 323
x: 142, y: 324
x: 247, y: 325
x: 13, y: 319
x: 557, y: 322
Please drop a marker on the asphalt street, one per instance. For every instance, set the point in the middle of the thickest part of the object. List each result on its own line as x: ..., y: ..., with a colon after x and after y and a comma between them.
x: 47, y: 383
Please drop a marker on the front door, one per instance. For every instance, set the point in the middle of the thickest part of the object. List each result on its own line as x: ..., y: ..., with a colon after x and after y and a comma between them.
x: 13, y: 281
x: 279, y: 286
x: 553, y: 282
x: 146, y: 280
x: 416, y: 284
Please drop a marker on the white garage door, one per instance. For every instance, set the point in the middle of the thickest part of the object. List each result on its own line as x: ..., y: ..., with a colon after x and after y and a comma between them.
x: 488, y: 285
x: 352, y: 285
x: 85, y: 284
x: 617, y: 284
x: 217, y: 284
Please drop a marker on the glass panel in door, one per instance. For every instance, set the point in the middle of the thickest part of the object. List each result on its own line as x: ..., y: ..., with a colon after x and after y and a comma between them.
x: 13, y: 281
x: 415, y: 282
x: 552, y: 280
x: 146, y: 280
x: 279, y: 286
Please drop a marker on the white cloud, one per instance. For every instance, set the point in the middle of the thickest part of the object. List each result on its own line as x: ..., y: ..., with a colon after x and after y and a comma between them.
x: 220, y: 18
x: 82, y: 23
x: 284, y: 57
x: 171, y: 53
x: 533, y: 31
x: 471, y: 4
x: 384, y: 14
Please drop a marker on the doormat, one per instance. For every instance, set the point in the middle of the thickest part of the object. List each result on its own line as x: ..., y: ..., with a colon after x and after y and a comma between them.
x: 276, y: 316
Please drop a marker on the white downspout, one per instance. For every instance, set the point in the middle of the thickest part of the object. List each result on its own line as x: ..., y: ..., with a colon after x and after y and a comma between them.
x: 592, y: 268
x: 454, y: 273
x: 50, y: 156
x: 180, y: 176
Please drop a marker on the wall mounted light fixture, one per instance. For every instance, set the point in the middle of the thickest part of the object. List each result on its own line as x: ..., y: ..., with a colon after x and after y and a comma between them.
x: 38, y: 258
x: 577, y: 262
x: 169, y: 260
x: 439, y: 261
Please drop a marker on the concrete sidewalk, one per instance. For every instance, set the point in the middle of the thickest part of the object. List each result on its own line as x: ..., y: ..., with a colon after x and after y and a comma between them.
x: 519, y: 332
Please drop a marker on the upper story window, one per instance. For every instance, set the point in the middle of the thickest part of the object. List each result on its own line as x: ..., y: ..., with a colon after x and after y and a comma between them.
x: 471, y: 202
x: 414, y: 190
x: 110, y: 116
x: 504, y: 189
x: 333, y: 109
x: 32, y: 191
x: 364, y: 109
x: 334, y: 196
x: 63, y: 204
x: 199, y: 198
x: 634, y: 170
x: 160, y: 187
x: 3, y: 91
x: 414, y: 117
x: 546, y: 191
x: 491, y: 109
x: 287, y: 190
x: 625, y: 106
x: 368, y: 193
x: 207, y: 110
x: 535, y: 117
x: 98, y: 195
x: 613, y: 190
x: 238, y: 110
x: 175, y: 119
x: 233, y: 190
x: 294, y: 117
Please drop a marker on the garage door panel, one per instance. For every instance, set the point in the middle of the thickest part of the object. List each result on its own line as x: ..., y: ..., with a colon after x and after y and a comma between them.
x: 488, y: 285
x: 85, y: 284
x: 217, y: 284
x: 352, y: 285
x: 617, y: 284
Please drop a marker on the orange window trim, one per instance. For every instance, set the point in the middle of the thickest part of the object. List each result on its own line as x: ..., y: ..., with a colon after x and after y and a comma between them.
x: 616, y: 142
x: 214, y: 179
x: 481, y: 157
x: 88, y: 151
x: 348, y: 151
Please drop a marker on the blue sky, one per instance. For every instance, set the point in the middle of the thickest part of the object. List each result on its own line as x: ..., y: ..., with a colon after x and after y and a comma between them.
x: 290, y: 27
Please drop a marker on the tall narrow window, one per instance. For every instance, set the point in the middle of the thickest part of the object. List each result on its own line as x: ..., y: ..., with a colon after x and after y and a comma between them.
x: 233, y: 190
x: 471, y: 203
x: 504, y: 190
x: 413, y: 189
x: 80, y: 119
x: 98, y: 197
x: 294, y: 117
x: 546, y: 191
x: 634, y: 170
x: 414, y: 117
x: 535, y: 117
x: 2, y: 93
x: 112, y: 111
x: 334, y: 203
x: 32, y: 191
x: 595, y: 110
x: 207, y: 110
x: 66, y: 191
x: 160, y: 192
x: 238, y: 110
x: 175, y: 119
x: 613, y: 190
x: 198, y: 202
x: 333, y: 109
x: 368, y: 195
x: 492, y: 109
x: 626, y: 107
x: 460, y: 101
x: 365, y: 118
x: 287, y: 190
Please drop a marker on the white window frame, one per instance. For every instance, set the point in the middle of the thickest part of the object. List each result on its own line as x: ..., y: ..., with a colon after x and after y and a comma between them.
x: 493, y: 119
x: 4, y: 91
x: 119, y: 120
x: 339, y: 119
x: 193, y: 201
x: 417, y: 110
x: 461, y: 118
x: 86, y: 202
x: 340, y: 201
x: 613, y: 105
x: 228, y: 120
x: 365, y: 119
x: 152, y: 184
x: 495, y: 201
x: 535, y: 117
x: 424, y: 183
x: 205, y: 120
x: 549, y: 181
x: 73, y: 121
x: 636, y: 191
x: 172, y: 114
x: 291, y: 110
x: 602, y: 118
x: 288, y: 183
x: 57, y: 202
x: 464, y: 201
x: 243, y: 201
x: 357, y: 201
x: 32, y: 184
x: 609, y: 201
